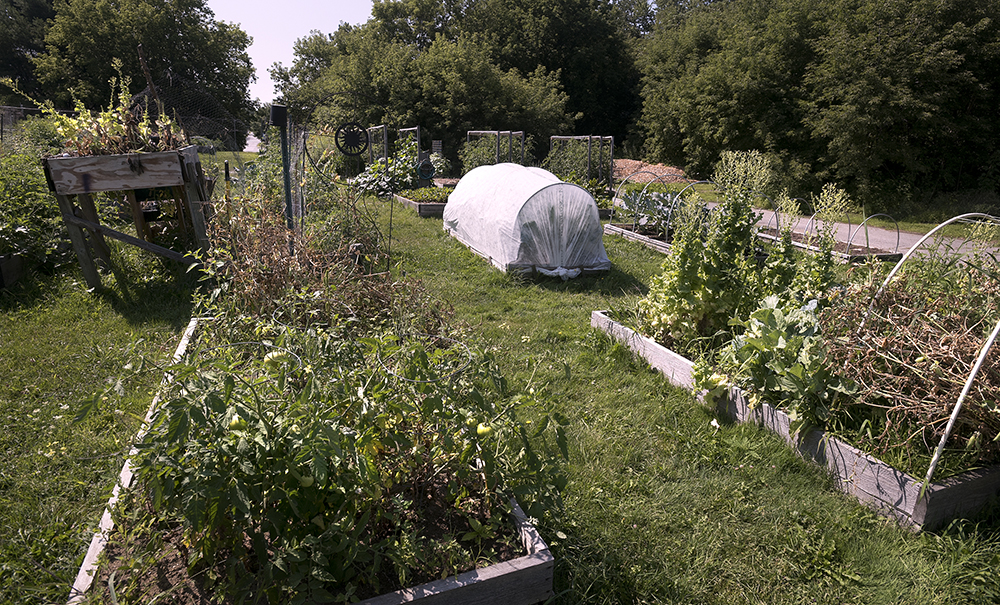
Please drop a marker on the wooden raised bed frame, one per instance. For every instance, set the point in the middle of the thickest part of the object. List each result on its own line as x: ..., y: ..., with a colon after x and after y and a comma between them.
x: 74, y: 179
x: 424, y: 209
x: 522, y: 581
x: 888, y: 491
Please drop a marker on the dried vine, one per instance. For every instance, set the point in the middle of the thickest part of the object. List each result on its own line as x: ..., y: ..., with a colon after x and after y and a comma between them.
x: 911, y: 357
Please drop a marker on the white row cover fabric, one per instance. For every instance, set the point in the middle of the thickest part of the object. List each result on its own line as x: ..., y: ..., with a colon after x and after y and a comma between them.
x: 526, y: 219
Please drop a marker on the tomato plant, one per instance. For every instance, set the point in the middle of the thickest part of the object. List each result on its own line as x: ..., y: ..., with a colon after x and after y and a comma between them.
x: 316, y: 482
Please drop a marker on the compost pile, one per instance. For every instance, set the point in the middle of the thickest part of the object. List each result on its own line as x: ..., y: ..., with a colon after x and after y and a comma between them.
x: 911, y: 355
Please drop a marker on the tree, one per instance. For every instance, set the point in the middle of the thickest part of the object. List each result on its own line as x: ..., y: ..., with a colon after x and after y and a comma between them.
x: 724, y: 77
x: 417, y: 22
x: 904, y: 96
x: 452, y: 86
x: 461, y: 89
x: 179, y: 37
x: 22, y: 37
x: 580, y: 40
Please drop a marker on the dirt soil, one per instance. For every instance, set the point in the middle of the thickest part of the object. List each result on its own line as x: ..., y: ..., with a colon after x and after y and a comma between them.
x: 649, y: 172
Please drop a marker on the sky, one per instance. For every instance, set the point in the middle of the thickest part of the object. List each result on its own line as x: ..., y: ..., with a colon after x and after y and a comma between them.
x: 275, y: 26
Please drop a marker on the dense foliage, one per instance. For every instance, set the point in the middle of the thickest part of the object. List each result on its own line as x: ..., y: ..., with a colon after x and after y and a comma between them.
x: 892, y: 100
x: 63, y: 51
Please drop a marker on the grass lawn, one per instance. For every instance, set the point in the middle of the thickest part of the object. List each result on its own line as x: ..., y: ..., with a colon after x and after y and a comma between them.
x: 59, y: 345
x: 663, y: 507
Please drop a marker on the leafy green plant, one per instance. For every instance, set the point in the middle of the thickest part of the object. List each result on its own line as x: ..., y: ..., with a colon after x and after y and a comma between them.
x: 314, y: 481
x: 780, y: 358
x: 117, y: 129
x: 710, y: 274
x: 29, y: 216
x: 818, y: 272
x: 384, y: 177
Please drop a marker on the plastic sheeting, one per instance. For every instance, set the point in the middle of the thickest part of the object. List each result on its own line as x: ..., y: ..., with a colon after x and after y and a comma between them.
x: 526, y: 219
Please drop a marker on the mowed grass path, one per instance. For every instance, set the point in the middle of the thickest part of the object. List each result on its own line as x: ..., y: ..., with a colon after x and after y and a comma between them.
x: 663, y: 507
x: 59, y: 345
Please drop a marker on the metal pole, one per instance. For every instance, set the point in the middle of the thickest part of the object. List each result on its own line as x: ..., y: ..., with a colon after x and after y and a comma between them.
x: 279, y: 118
x: 590, y: 152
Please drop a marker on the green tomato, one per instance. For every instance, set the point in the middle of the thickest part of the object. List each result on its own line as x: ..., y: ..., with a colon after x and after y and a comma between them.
x: 484, y: 430
x: 237, y: 423
x: 276, y: 358
x: 307, y: 481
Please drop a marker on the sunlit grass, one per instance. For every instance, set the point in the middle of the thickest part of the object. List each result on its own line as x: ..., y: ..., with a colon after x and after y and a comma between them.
x: 60, y: 345
x: 663, y: 507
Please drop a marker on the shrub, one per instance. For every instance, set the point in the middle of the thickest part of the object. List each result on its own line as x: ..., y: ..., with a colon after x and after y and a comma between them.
x: 30, y: 222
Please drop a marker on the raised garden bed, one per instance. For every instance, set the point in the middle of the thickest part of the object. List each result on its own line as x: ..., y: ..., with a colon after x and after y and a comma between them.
x: 424, y: 209
x: 852, y: 255
x: 848, y: 254
x: 890, y: 492
x: 73, y: 179
x: 646, y: 239
x: 522, y: 580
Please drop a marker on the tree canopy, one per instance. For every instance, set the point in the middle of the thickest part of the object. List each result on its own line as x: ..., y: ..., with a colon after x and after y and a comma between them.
x: 179, y: 37
x: 22, y: 37
x: 889, y: 98
x: 557, y: 67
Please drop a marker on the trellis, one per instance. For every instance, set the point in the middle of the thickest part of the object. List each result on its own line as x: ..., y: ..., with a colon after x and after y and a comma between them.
x: 510, y: 134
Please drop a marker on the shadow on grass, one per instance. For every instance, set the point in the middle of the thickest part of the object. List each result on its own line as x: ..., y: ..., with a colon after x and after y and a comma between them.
x: 168, y: 296
x: 615, y: 283
x: 164, y: 295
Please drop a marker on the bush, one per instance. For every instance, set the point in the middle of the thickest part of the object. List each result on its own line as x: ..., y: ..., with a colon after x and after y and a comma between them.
x: 30, y: 222
x: 386, y: 177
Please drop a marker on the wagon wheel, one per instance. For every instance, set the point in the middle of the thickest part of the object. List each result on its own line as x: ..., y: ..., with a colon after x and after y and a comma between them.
x: 351, y: 139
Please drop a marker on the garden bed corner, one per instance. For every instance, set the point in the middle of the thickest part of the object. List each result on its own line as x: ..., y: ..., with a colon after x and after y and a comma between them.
x: 886, y: 490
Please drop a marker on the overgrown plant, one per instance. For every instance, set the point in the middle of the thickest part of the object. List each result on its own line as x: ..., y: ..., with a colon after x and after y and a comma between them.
x: 482, y: 151
x: 29, y: 216
x: 911, y: 350
x: 817, y: 272
x: 385, y: 177
x: 779, y: 357
x: 710, y: 274
x: 368, y: 466
x: 572, y: 161
x: 120, y: 128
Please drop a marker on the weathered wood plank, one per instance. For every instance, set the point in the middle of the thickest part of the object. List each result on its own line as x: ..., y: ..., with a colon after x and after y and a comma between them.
x: 676, y: 368
x: 79, y: 241
x: 155, y: 249
x: 195, y: 196
x: 89, y: 212
x: 141, y: 227
x: 653, y: 244
x: 424, y: 209
x: 89, y: 174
